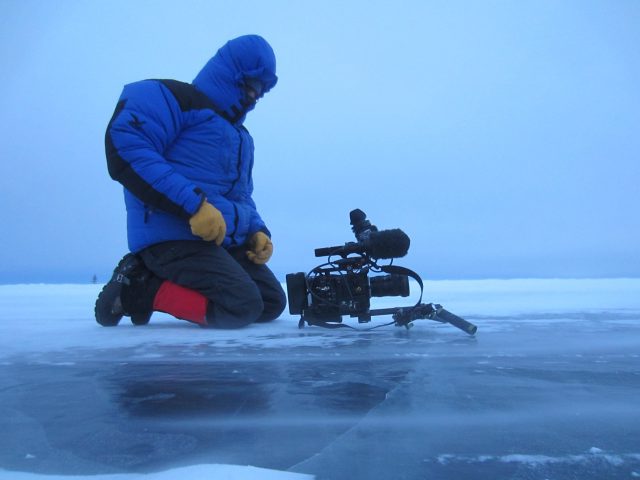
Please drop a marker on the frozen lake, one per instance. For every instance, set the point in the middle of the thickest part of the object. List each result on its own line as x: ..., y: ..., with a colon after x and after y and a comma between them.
x: 548, y: 388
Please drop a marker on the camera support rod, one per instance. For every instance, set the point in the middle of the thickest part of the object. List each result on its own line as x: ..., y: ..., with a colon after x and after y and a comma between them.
x: 430, y: 311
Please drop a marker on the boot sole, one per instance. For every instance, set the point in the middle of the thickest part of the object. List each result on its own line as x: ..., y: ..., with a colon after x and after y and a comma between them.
x: 102, y: 310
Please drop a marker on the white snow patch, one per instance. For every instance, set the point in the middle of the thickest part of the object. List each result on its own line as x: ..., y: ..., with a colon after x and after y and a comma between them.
x: 226, y: 472
x: 535, y: 460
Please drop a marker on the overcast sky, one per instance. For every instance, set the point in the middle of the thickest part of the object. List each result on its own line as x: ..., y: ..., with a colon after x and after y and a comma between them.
x: 502, y: 136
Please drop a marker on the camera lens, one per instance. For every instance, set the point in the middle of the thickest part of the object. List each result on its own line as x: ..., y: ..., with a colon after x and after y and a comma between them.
x: 389, y: 286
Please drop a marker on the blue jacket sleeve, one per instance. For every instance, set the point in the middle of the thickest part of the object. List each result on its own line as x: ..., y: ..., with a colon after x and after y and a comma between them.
x: 147, y: 120
x: 256, y: 224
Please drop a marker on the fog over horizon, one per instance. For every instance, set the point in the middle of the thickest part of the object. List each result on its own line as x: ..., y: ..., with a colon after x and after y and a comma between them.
x: 502, y: 137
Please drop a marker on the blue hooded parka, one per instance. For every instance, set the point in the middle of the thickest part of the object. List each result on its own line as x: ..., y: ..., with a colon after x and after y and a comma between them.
x: 173, y: 144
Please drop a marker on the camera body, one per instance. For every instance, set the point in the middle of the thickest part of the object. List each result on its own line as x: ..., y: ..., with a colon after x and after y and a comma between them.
x: 343, y: 286
x: 330, y: 294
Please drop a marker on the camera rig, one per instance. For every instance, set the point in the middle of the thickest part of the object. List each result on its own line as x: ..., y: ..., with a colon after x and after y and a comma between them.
x: 342, y: 286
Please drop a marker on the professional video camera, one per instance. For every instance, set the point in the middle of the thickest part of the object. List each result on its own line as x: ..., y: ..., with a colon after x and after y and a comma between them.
x: 342, y: 286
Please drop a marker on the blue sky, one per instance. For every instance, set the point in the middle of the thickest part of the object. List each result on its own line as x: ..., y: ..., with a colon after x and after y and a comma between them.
x: 501, y: 136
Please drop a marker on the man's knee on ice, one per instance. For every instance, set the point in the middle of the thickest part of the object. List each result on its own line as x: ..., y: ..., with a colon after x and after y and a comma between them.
x: 273, y: 307
x: 239, y: 314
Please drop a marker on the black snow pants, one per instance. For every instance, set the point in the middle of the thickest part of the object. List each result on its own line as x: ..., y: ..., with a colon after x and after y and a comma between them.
x: 239, y: 291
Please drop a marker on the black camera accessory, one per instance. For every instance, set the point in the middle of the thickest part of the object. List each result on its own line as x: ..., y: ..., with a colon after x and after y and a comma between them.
x: 342, y: 286
x: 380, y: 245
x: 360, y: 226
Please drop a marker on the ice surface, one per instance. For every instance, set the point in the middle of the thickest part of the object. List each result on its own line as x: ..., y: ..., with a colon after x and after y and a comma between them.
x: 62, y: 314
x: 546, y: 389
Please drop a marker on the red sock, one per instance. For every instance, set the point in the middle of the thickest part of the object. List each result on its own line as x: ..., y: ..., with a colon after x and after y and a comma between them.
x: 181, y: 302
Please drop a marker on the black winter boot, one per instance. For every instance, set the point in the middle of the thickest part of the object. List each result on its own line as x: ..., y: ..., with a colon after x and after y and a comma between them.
x: 109, y: 308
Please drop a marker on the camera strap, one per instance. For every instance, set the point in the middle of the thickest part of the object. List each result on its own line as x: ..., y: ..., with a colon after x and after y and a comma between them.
x: 395, y: 269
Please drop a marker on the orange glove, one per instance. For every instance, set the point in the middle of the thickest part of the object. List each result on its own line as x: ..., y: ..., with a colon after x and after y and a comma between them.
x: 208, y: 223
x: 260, y: 248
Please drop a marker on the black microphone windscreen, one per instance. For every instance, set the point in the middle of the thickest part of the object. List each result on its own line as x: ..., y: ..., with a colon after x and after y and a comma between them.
x: 392, y: 243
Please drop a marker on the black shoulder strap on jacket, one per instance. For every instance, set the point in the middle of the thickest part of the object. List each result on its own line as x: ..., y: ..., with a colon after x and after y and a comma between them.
x: 189, y: 97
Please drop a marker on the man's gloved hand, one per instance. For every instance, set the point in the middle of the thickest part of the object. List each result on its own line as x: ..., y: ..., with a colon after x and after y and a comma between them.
x: 208, y: 223
x: 260, y: 248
